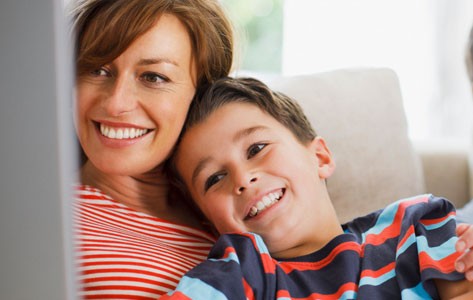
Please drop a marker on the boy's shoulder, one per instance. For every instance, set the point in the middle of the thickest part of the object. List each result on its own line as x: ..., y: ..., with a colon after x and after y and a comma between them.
x: 427, y: 210
x: 242, y: 242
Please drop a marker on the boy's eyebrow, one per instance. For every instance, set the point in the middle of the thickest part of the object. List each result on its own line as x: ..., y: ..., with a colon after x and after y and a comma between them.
x: 200, y: 166
x: 238, y: 136
x: 246, y: 132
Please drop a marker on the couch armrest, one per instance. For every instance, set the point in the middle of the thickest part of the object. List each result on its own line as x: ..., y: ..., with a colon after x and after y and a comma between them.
x: 446, y: 169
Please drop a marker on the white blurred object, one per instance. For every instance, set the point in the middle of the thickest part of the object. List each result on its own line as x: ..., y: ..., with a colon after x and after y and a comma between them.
x: 422, y: 41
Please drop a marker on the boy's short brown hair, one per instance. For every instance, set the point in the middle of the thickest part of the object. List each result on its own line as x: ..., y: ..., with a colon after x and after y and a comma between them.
x: 250, y: 90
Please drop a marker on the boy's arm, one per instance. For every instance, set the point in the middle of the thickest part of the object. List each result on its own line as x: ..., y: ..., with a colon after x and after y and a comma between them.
x: 457, y: 290
x: 464, y: 263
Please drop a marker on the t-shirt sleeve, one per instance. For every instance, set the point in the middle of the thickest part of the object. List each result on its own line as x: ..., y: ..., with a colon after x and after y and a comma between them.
x: 426, y: 244
x: 411, y: 241
x: 435, y: 237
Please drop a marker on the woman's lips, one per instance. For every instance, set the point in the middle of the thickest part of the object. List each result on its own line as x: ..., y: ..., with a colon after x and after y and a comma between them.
x: 121, y: 132
x: 120, y: 135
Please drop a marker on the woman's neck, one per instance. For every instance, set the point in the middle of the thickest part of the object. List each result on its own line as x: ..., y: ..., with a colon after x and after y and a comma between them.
x: 145, y: 193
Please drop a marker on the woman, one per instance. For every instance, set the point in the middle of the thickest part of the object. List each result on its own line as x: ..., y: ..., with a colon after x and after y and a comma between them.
x: 139, y: 64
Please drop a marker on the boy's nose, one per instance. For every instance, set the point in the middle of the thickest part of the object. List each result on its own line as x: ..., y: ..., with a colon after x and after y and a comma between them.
x: 245, y: 184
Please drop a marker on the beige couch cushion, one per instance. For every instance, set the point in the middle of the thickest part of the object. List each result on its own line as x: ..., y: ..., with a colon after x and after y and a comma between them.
x: 446, y: 172
x: 360, y: 114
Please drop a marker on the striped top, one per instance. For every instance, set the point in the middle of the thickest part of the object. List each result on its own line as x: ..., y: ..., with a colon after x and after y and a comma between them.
x: 125, y: 254
x: 390, y: 254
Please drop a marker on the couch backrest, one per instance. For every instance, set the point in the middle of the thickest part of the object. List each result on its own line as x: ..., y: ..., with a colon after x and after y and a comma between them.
x: 360, y: 114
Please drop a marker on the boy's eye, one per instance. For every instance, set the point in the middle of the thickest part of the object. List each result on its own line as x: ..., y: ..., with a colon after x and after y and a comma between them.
x: 255, y: 149
x: 213, y: 179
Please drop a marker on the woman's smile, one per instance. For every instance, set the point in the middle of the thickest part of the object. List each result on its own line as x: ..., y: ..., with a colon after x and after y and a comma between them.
x: 119, y: 133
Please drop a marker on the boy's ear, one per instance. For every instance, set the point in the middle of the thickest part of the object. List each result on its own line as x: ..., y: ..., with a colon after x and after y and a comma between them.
x: 326, y: 163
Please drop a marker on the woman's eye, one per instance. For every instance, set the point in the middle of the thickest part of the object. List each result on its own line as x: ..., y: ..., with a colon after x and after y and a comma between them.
x: 99, y: 72
x: 255, y: 149
x: 212, y: 180
x: 153, y: 77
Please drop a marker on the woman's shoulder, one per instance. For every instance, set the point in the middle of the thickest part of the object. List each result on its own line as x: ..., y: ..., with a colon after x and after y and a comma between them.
x: 90, y: 197
x: 92, y: 205
x: 83, y: 191
x: 86, y: 194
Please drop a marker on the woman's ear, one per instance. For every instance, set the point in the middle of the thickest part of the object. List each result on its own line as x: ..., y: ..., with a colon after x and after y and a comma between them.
x: 326, y: 163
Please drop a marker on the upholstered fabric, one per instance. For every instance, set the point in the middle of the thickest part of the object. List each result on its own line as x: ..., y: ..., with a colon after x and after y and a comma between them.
x: 446, y: 171
x: 360, y: 114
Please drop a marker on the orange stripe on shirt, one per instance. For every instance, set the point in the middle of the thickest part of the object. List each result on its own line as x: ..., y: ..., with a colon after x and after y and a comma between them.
x: 350, y: 286
x: 379, y: 272
x: 445, y: 265
x: 438, y: 220
x: 302, y: 266
x: 394, y: 229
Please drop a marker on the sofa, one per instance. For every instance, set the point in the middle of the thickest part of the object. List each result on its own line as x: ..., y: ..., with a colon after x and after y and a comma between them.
x: 360, y: 114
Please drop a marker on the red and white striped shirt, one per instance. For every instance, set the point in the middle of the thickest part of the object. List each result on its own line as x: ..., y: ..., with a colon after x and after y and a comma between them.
x: 125, y: 254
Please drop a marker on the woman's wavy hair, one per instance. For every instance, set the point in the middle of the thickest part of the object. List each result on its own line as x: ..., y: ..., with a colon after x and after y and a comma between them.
x: 103, y: 29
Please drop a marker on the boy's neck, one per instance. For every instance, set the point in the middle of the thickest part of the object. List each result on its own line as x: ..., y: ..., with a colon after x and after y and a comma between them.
x: 321, y: 237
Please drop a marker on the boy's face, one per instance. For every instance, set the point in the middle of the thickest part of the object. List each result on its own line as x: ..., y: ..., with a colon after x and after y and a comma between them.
x: 247, y: 172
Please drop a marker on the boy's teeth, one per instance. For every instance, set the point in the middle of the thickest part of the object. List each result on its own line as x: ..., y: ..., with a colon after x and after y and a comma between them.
x: 260, y: 205
x: 121, y: 133
x: 265, y: 202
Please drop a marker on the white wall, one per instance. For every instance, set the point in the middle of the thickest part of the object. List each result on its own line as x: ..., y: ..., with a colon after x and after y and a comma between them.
x: 422, y: 40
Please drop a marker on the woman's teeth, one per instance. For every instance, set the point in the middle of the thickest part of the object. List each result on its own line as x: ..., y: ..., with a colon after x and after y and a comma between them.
x: 121, y: 133
x: 265, y: 202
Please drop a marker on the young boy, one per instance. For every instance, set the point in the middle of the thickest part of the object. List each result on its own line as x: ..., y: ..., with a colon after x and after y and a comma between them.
x: 252, y: 163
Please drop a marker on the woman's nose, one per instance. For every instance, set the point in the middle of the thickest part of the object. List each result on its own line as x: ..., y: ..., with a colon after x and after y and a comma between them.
x: 120, y: 98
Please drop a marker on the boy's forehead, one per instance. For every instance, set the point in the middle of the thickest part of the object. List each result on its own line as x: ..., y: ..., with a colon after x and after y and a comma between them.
x: 237, y: 119
x: 236, y: 109
x: 224, y: 128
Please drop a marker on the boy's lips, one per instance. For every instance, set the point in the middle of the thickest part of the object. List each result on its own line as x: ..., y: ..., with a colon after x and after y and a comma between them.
x: 265, y: 202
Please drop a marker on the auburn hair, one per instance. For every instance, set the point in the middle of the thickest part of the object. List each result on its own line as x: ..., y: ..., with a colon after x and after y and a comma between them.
x: 103, y: 29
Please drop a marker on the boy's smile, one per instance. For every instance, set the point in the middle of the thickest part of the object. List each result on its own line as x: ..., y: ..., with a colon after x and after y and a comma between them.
x: 266, y: 202
x: 248, y: 172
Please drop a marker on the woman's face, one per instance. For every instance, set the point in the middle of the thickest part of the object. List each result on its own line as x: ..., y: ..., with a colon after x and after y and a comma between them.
x: 130, y: 111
